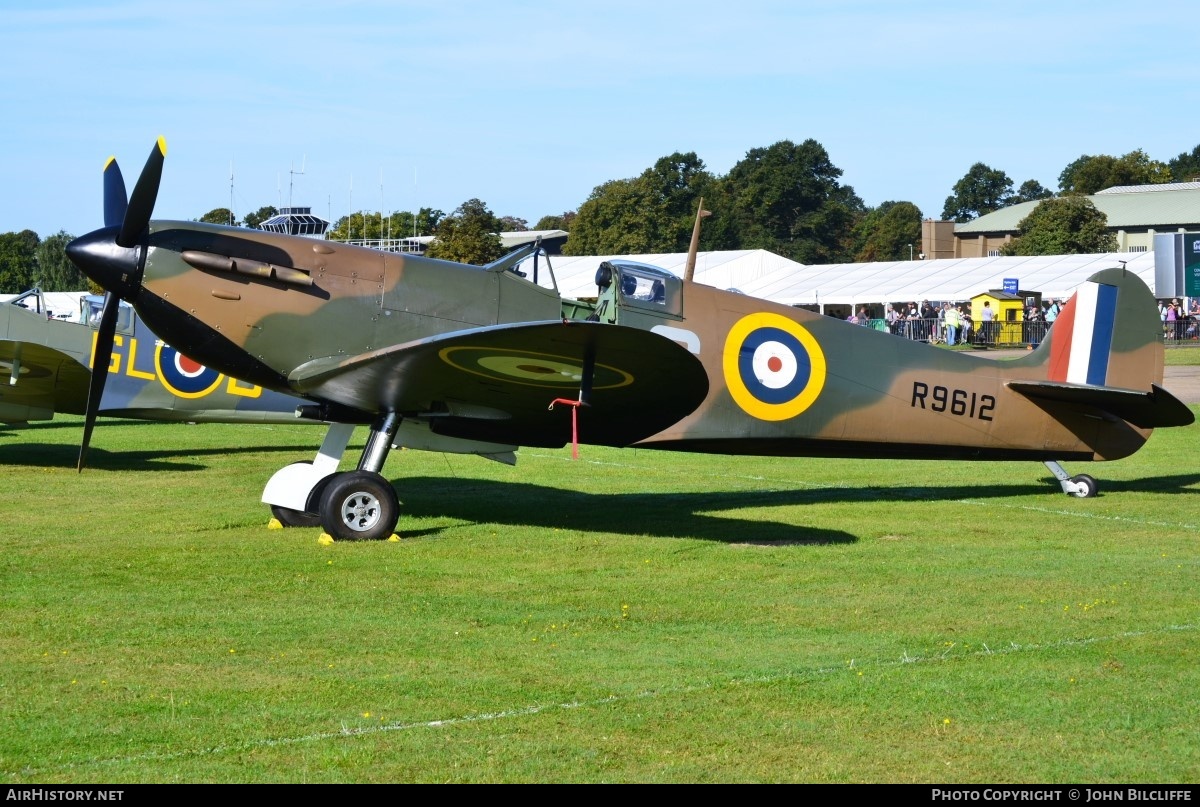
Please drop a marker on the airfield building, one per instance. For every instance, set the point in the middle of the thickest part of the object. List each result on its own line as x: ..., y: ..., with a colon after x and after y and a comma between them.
x: 1136, y: 213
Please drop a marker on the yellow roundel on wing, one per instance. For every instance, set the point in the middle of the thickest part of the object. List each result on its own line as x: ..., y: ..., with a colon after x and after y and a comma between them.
x: 530, y: 368
x: 774, y: 368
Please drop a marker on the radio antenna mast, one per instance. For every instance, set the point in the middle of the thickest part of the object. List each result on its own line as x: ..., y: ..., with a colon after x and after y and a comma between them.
x: 292, y: 174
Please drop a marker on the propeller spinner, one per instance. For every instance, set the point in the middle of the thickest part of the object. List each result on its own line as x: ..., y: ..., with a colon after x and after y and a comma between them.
x: 113, y: 257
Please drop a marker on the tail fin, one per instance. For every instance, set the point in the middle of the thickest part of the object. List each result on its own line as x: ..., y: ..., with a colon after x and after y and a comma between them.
x: 1105, y: 351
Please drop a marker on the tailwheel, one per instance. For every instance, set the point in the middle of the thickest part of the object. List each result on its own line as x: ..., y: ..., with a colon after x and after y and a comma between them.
x: 1085, y: 486
x: 359, y: 506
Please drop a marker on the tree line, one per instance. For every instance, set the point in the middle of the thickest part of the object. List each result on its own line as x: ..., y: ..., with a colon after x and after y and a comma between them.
x: 786, y: 198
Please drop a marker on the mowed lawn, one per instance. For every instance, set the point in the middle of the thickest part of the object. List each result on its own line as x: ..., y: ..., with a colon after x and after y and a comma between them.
x: 632, y: 616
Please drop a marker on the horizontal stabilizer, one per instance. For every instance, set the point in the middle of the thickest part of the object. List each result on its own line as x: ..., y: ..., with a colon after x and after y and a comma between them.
x: 1146, y: 410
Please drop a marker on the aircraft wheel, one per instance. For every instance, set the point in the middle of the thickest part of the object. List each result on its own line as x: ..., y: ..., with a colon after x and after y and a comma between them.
x: 302, y: 518
x: 1087, y: 487
x: 294, y: 518
x: 359, y: 506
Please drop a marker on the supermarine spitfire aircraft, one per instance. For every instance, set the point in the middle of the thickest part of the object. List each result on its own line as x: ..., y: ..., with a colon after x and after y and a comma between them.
x: 485, y: 359
x: 45, y: 368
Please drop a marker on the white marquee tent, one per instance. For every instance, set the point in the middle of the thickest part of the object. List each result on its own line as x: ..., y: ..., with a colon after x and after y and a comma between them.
x: 763, y: 274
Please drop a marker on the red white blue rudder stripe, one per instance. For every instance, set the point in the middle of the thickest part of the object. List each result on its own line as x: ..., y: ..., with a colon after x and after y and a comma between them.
x: 1083, y: 335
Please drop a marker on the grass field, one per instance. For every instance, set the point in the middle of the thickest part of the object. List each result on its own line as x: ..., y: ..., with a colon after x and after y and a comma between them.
x: 629, y: 617
x: 1182, y: 356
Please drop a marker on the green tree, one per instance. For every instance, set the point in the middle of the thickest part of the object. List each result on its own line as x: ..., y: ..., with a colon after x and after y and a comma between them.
x: 1186, y: 167
x: 512, y: 224
x: 886, y: 232
x: 981, y: 190
x: 349, y: 227
x: 1092, y: 174
x: 403, y: 224
x: 18, y: 261
x: 676, y: 184
x: 428, y: 220
x: 561, y: 222
x: 400, y: 224
x: 218, y: 215
x: 468, y: 235
x: 55, y: 270
x: 610, y: 222
x: 256, y: 218
x: 1067, y: 225
x: 1030, y: 191
x: 786, y: 198
x: 651, y: 213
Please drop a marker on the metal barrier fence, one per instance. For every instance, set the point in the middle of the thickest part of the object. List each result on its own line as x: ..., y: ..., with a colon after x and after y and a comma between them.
x: 1182, y: 332
x: 1185, y: 332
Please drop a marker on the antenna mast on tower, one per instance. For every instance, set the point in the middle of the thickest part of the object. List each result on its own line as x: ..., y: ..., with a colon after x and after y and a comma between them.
x: 292, y: 174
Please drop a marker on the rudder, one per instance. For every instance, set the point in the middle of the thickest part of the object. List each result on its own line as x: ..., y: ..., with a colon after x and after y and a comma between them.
x: 1105, y: 353
x: 1107, y: 335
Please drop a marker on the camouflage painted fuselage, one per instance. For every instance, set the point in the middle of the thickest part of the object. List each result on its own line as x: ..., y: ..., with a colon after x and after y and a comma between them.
x: 45, y: 366
x: 858, y: 392
x: 478, y: 352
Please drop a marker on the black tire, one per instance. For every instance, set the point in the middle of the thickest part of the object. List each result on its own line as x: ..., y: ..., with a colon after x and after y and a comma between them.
x: 298, y: 518
x: 1090, y: 488
x: 295, y: 518
x: 359, y: 506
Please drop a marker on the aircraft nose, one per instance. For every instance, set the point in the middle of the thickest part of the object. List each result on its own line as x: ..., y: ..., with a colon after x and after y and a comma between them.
x: 115, y: 268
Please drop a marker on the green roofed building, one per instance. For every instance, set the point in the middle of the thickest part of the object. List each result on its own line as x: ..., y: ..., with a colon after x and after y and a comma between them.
x: 1136, y: 213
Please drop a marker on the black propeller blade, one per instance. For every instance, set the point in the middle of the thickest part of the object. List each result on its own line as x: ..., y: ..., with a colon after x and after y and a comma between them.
x: 115, y: 200
x: 141, y: 203
x: 103, y: 355
x: 115, y: 263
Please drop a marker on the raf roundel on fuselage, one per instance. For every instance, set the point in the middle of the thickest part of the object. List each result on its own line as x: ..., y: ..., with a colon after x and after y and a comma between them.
x: 773, y: 366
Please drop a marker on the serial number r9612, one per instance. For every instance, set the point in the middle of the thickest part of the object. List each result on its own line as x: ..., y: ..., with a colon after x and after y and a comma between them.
x: 955, y: 401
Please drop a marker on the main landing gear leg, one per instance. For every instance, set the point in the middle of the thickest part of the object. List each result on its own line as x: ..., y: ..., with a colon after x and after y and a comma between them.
x: 361, y: 505
x: 1081, y: 486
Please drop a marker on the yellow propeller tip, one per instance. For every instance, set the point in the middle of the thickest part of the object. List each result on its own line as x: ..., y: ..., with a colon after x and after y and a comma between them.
x: 162, y: 145
x: 110, y: 161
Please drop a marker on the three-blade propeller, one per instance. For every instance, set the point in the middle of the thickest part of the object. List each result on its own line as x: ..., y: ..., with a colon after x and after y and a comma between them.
x: 113, y: 258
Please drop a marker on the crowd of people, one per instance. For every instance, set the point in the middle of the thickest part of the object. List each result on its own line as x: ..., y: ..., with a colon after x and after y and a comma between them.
x: 1180, y: 322
x: 956, y: 323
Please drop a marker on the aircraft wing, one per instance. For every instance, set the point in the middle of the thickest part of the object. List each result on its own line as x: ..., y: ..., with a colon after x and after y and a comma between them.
x: 36, y: 381
x: 497, y: 383
x: 1146, y: 410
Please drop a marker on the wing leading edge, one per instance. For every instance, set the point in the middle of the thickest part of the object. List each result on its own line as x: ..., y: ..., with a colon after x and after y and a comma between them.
x: 496, y: 383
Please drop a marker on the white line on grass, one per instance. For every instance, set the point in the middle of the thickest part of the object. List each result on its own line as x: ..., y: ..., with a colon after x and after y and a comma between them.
x: 1080, y: 514
x: 526, y: 711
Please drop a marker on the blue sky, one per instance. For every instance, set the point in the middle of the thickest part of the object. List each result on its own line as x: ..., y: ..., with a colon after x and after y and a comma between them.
x: 528, y: 106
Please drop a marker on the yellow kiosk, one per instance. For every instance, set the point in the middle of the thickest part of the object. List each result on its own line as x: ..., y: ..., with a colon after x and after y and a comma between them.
x: 1007, y: 319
